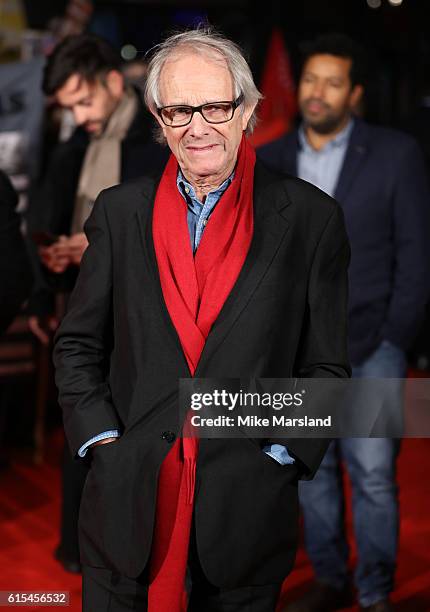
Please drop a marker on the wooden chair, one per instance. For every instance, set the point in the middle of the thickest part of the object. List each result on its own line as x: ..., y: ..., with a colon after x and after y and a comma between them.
x: 22, y: 358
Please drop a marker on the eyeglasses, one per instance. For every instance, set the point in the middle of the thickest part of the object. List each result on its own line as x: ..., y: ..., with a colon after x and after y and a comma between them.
x: 178, y: 115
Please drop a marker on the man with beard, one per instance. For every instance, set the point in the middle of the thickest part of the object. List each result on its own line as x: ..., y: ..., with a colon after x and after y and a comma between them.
x: 378, y: 176
x: 112, y: 143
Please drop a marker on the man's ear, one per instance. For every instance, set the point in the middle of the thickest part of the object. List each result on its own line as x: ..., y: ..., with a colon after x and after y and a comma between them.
x: 115, y: 83
x: 356, y: 95
x: 246, y: 115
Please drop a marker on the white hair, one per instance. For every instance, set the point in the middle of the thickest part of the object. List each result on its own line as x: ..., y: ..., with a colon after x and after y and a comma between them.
x: 203, y: 41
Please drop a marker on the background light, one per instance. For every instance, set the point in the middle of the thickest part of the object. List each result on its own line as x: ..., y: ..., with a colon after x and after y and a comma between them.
x: 128, y: 52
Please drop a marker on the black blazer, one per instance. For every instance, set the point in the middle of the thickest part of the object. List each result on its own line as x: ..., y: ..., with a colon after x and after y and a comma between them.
x: 383, y: 190
x: 118, y: 360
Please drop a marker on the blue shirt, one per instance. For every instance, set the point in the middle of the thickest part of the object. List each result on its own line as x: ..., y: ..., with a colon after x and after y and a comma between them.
x: 322, y: 168
x: 198, y: 214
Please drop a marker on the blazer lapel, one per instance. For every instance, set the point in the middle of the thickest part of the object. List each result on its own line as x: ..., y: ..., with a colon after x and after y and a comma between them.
x: 355, y: 155
x: 144, y: 221
x: 270, y: 226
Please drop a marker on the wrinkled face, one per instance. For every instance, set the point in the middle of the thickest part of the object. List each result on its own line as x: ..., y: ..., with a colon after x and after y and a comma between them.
x: 92, y: 103
x: 202, y: 149
x: 326, y: 97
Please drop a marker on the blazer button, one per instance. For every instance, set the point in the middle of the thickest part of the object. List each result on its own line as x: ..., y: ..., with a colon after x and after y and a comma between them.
x: 169, y: 436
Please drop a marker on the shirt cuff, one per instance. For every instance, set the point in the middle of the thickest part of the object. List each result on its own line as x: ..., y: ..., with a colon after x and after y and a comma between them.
x: 279, y: 453
x: 113, y: 433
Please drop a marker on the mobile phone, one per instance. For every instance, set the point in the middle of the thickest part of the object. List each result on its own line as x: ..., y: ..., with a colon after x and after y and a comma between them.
x: 44, y: 238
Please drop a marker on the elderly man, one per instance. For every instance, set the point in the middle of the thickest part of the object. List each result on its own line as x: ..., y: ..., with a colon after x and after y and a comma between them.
x: 220, y: 268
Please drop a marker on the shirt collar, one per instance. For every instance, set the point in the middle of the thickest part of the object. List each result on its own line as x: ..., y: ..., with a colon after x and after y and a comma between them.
x: 187, y: 190
x: 339, y: 140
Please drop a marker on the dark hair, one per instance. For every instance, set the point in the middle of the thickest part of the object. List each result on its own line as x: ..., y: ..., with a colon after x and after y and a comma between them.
x: 89, y: 56
x: 339, y: 45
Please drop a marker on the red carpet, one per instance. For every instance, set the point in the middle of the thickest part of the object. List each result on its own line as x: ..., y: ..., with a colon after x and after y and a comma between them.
x: 29, y: 517
x: 412, y: 593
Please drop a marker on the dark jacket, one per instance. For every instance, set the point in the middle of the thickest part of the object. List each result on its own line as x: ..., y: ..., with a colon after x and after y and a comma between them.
x: 52, y: 205
x: 118, y: 360
x: 15, y: 270
x: 385, y: 197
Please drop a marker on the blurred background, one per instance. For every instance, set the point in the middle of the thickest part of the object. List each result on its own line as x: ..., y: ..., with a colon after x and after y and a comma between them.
x: 397, y: 38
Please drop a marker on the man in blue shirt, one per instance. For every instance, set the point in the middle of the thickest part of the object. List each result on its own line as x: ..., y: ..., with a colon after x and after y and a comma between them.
x: 378, y: 177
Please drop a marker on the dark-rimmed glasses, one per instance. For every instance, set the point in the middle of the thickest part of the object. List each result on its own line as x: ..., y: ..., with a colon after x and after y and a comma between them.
x: 179, y: 115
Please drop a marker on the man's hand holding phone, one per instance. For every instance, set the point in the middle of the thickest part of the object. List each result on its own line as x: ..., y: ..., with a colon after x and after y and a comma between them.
x: 57, y: 253
x: 77, y: 246
x: 64, y: 252
x: 56, y: 257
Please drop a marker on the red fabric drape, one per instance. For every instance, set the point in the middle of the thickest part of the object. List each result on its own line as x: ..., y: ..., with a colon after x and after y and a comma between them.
x: 194, y: 290
x: 279, y: 105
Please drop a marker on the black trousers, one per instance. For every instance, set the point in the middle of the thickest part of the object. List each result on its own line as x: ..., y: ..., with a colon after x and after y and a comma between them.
x: 107, y: 591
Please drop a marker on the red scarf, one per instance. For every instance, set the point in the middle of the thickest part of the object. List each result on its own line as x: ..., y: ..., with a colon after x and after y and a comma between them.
x: 194, y: 290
